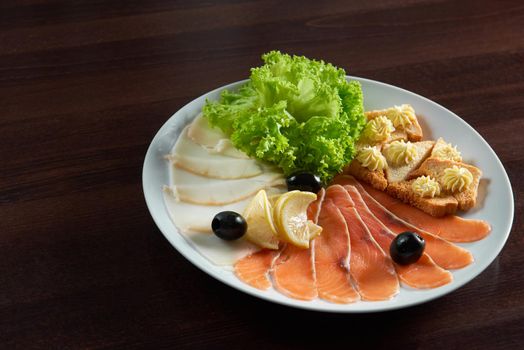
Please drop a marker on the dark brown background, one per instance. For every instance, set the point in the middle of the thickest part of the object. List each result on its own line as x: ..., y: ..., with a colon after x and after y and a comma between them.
x: 84, y: 86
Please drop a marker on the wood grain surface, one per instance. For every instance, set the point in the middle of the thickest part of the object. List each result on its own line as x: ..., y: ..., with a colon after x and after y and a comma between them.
x: 85, y: 85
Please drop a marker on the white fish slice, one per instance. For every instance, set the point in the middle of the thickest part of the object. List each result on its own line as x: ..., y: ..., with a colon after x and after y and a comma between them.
x: 212, y: 139
x: 194, y: 223
x: 191, y: 217
x: 217, y: 167
x: 198, y: 160
x: 226, y: 148
x: 225, y: 192
x: 200, y: 132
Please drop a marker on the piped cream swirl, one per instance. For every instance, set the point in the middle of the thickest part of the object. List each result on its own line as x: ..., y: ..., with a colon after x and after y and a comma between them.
x: 371, y: 158
x: 456, y: 179
x: 400, y: 152
x: 425, y: 186
x: 378, y: 129
x: 448, y: 152
x: 402, y: 116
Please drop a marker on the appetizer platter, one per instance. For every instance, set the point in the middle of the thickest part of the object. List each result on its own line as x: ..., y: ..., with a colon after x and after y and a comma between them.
x: 318, y: 190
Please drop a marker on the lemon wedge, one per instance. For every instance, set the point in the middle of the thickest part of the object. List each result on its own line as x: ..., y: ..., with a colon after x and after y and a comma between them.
x: 290, y: 216
x: 260, y: 227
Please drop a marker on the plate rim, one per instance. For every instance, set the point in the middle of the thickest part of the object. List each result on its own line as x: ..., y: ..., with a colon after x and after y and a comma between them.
x: 201, y: 262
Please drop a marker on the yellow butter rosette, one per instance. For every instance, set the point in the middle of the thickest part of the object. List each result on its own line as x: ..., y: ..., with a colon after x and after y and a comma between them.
x: 425, y: 186
x: 371, y: 158
x: 456, y: 179
x: 400, y: 152
x: 401, y: 116
x: 448, y: 152
x: 378, y: 129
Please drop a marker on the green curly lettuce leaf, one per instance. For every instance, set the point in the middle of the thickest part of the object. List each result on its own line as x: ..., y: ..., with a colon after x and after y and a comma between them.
x: 296, y: 113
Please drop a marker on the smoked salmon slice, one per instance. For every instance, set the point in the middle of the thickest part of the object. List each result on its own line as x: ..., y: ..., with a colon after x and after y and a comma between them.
x: 293, y: 272
x: 332, y: 256
x: 371, y: 269
x: 422, y: 274
x: 253, y: 269
x: 445, y: 254
x: 451, y: 227
x: 313, y: 211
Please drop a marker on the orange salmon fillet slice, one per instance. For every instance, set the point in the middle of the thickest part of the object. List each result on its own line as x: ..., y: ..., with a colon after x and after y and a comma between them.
x: 371, y: 269
x: 293, y: 272
x: 253, y: 269
x: 422, y: 274
x: 445, y: 254
x: 332, y: 255
x: 450, y: 227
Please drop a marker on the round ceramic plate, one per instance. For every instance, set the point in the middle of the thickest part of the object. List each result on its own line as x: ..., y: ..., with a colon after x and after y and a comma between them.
x: 495, y: 204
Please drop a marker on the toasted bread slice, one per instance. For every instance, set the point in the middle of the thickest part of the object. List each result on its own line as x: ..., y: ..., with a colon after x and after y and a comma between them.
x: 412, y: 133
x: 437, y: 206
x: 377, y: 179
x: 435, y: 167
x: 401, y: 173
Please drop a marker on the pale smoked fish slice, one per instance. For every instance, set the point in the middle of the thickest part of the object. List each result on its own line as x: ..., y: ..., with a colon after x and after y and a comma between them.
x: 212, y: 139
x: 217, y: 167
x: 332, y: 254
x: 422, y: 274
x: 224, y: 192
x: 371, y: 269
x: 450, y: 227
x: 293, y: 272
x: 253, y: 269
x: 445, y: 254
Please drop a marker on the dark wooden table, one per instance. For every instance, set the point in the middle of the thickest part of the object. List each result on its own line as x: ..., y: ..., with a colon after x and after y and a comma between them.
x: 84, y: 86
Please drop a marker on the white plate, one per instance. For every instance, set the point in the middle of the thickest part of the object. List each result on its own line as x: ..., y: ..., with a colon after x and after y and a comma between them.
x: 497, y: 207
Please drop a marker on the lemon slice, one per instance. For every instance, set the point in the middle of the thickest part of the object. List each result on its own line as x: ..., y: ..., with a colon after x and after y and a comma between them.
x: 291, y: 218
x: 260, y: 227
x: 273, y: 199
x: 314, y: 229
x: 277, y: 209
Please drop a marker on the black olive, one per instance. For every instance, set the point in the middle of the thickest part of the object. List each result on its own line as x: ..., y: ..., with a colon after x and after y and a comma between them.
x: 407, y: 248
x: 229, y: 225
x: 303, y: 181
